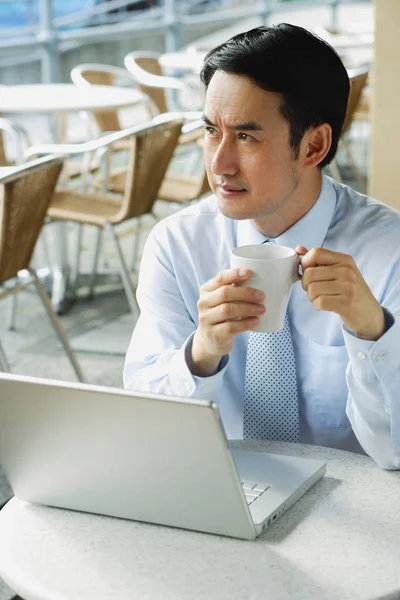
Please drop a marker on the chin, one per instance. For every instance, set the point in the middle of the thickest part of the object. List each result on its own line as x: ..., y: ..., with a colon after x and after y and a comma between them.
x: 237, y: 209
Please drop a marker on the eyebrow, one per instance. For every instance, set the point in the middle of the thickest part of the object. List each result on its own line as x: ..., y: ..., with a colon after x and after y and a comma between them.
x: 246, y: 126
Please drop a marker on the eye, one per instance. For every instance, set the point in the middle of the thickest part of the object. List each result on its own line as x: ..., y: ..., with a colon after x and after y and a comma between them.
x: 210, y: 131
x: 244, y: 137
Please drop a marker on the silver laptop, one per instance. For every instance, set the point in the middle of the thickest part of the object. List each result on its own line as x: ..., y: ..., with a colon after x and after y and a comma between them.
x: 152, y: 458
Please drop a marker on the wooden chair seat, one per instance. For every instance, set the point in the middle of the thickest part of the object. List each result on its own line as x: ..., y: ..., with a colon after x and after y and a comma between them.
x: 178, y: 188
x: 151, y: 147
x: 89, y: 209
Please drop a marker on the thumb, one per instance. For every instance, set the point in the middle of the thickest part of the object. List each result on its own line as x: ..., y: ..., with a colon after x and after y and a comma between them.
x: 301, y: 250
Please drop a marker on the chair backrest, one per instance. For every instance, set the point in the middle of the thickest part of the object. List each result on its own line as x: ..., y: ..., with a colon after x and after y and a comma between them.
x: 358, y: 79
x: 24, y: 199
x: 97, y: 74
x: 151, y: 152
x: 146, y: 69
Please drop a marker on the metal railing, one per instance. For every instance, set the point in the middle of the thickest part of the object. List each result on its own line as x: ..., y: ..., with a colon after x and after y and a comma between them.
x: 51, y: 36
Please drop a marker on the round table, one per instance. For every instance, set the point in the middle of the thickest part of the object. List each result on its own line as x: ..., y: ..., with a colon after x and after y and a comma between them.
x: 340, y: 541
x: 65, y: 97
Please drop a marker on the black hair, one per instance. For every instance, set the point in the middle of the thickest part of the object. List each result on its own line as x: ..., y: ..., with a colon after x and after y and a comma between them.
x: 292, y: 61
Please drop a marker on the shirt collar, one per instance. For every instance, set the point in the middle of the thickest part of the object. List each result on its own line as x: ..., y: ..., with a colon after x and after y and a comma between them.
x: 309, y: 231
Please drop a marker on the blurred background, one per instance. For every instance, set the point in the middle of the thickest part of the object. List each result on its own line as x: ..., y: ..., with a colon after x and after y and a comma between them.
x: 75, y: 71
x: 79, y: 77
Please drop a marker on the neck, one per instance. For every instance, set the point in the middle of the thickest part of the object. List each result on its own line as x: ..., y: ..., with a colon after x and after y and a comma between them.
x: 293, y: 207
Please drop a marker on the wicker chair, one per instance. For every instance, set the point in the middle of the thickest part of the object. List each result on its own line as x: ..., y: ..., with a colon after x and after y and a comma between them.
x: 173, y: 185
x: 184, y: 189
x: 145, y: 68
x: 147, y: 71
x: 151, y: 149
x: 88, y: 74
x: 358, y: 80
x: 25, y: 196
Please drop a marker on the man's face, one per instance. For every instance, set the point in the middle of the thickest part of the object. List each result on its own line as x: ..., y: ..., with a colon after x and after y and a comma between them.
x: 249, y: 160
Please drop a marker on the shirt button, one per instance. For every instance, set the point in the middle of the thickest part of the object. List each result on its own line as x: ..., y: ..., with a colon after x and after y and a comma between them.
x: 387, y: 410
x: 361, y: 355
x: 380, y: 357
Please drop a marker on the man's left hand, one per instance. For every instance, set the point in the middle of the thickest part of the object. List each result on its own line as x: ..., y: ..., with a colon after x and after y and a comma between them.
x: 333, y: 283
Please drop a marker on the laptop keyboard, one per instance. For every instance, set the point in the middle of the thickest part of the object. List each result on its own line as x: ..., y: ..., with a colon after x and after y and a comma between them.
x: 253, y: 490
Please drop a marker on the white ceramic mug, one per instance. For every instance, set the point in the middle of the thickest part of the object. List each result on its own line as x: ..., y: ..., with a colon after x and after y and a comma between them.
x: 274, y: 271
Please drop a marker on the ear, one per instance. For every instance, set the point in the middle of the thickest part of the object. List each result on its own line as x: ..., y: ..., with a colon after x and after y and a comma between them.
x: 316, y: 144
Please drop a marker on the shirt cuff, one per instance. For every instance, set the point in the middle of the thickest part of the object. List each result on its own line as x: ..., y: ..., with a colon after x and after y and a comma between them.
x: 389, y: 320
x: 375, y: 358
x: 189, y: 385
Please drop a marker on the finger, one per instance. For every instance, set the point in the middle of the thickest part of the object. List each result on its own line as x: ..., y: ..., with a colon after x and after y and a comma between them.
x: 232, y: 328
x: 323, y: 257
x: 229, y: 293
x: 226, y: 277
x: 231, y: 311
x: 329, y: 303
x: 330, y: 288
x: 315, y: 274
x: 301, y: 250
x: 340, y: 272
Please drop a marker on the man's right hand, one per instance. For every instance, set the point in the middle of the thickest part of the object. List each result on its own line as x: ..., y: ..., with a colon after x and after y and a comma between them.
x: 225, y: 309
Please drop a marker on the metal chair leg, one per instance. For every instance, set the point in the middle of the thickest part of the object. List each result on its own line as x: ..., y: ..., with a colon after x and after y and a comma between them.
x: 75, y: 273
x: 44, y: 243
x: 136, y: 244
x: 124, y: 271
x: 93, y: 275
x: 12, y: 313
x: 57, y: 326
x: 3, y: 360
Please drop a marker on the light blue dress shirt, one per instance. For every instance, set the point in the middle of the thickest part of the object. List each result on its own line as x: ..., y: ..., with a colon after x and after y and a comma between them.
x: 348, y: 388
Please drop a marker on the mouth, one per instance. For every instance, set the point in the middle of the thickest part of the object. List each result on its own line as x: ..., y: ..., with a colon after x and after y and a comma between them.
x: 228, y: 191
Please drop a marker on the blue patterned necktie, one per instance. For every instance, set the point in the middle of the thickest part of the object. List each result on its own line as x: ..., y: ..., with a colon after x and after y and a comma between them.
x: 271, y: 409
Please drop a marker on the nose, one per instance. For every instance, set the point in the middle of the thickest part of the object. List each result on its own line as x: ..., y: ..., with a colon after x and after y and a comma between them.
x: 224, y: 160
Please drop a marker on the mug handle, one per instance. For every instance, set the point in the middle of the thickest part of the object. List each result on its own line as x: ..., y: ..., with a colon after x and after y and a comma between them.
x: 297, y: 275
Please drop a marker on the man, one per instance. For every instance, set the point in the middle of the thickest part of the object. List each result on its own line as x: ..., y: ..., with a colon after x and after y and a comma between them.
x: 275, y: 104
